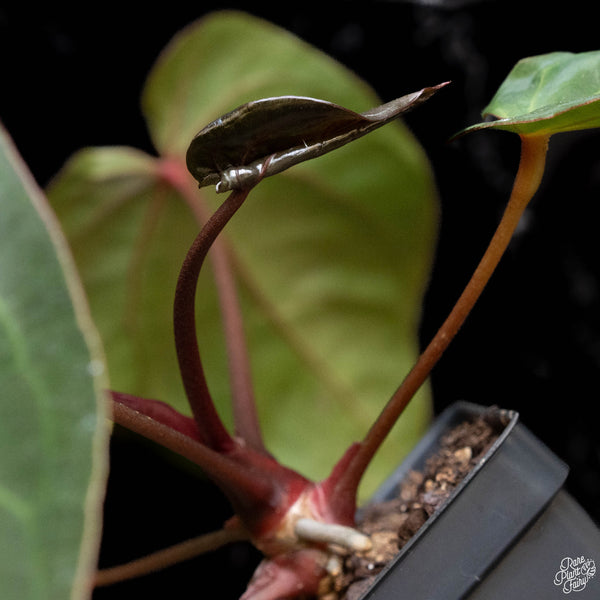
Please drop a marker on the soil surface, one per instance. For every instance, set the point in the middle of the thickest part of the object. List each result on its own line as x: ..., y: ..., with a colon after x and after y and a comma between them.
x: 392, y: 523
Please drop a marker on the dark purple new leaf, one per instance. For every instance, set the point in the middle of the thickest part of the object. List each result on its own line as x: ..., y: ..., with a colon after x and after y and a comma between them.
x: 231, y: 151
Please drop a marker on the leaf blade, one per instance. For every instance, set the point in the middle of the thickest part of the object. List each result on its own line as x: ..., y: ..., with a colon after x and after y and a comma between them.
x: 548, y: 94
x: 53, y: 438
x: 267, y: 136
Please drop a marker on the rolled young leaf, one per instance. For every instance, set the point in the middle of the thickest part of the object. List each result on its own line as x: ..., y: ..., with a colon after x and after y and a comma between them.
x: 231, y: 151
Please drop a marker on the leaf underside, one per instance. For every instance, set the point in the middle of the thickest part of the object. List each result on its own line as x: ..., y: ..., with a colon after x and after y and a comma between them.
x: 547, y: 94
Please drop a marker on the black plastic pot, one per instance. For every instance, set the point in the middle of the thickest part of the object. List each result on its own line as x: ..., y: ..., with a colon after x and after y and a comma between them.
x: 508, y: 531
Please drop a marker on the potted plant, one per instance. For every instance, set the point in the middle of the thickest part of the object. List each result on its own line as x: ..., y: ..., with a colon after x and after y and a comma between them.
x: 503, y: 528
x: 307, y: 530
x: 291, y: 561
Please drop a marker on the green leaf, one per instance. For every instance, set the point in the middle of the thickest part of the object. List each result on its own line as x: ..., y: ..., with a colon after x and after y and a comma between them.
x: 548, y: 94
x: 331, y: 256
x: 129, y: 233
x: 53, y: 438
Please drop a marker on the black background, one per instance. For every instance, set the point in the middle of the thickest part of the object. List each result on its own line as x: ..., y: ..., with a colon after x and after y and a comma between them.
x: 72, y: 78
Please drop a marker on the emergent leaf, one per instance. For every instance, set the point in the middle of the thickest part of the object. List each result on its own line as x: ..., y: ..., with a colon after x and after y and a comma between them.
x: 232, y: 150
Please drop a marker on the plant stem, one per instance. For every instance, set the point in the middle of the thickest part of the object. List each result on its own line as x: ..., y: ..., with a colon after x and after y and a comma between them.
x: 169, y: 556
x: 213, y: 432
x: 223, y: 470
x: 245, y: 415
x: 159, y: 411
x: 527, y: 180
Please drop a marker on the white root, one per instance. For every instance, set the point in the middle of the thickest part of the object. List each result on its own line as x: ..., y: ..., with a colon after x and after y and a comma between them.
x: 316, y: 531
x: 334, y: 566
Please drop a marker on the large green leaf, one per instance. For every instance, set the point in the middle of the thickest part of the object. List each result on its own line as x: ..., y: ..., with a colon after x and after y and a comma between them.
x: 548, y: 94
x: 331, y: 256
x: 53, y: 438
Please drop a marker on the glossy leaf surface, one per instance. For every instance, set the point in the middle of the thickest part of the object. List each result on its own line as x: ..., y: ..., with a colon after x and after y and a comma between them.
x: 331, y: 257
x: 53, y: 444
x: 287, y: 130
x: 550, y: 93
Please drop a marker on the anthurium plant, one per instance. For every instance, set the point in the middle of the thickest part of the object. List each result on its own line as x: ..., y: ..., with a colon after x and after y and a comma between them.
x: 304, y: 526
